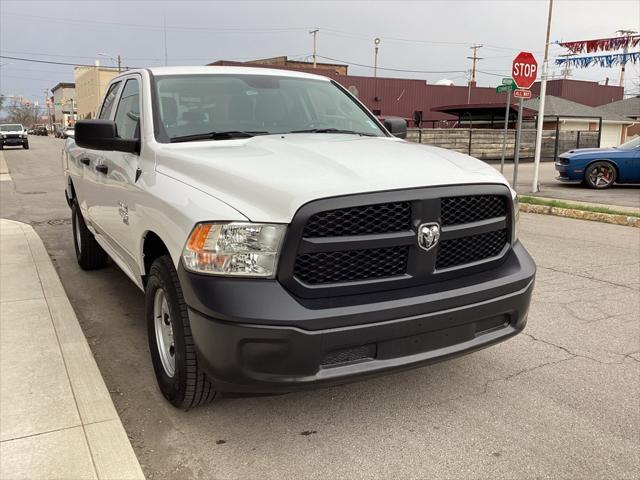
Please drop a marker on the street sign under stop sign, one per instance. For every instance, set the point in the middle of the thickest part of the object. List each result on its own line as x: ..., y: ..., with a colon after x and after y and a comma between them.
x: 525, y: 70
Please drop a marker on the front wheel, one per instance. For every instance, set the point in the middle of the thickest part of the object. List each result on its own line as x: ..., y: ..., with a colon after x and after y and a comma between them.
x: 600, y: 175
x: 25, y: 145
x: 173, y: 353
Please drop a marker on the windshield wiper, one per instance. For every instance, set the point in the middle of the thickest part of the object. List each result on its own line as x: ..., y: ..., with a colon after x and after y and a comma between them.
x: 333, y: 130
x: 216, y: 136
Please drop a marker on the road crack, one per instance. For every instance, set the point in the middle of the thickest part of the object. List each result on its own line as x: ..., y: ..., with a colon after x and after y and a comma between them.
x: 579, y: 355
x: 587, y: 277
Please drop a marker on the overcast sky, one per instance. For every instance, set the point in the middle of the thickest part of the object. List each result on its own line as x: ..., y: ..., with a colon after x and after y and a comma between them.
x: 432, y: 36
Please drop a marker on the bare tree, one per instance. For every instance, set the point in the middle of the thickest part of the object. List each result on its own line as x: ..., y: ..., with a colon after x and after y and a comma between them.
x: 23, y: 113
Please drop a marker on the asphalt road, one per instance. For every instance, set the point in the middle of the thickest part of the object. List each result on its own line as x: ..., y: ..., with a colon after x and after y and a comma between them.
x: 561, y: 400
x: 624, y: 195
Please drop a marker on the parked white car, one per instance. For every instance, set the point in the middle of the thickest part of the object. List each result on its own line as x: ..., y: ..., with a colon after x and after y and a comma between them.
x: 12, y: 135
x: 283, y: 237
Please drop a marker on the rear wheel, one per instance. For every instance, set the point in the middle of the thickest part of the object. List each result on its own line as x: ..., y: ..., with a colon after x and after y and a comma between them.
x: 173, y: 353
x: 600, y: 175
x: 89, y: 253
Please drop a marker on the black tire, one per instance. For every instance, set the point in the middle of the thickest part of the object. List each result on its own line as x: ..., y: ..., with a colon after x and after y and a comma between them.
x: 600, y: 174
x: 189, y: 386
x: 89, y: 253
x: 25, y: 145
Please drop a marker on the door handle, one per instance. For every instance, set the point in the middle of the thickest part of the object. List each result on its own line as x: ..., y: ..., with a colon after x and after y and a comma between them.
x: 85, y: 160
x: 102, y: 169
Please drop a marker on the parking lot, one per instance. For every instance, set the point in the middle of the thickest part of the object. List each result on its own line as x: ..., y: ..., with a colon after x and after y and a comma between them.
x: 561, y: 400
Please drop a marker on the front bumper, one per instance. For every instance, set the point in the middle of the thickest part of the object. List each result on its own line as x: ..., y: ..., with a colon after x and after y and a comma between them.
x: 254, y: 336
x: 13, y: 141
x: 567, y: 174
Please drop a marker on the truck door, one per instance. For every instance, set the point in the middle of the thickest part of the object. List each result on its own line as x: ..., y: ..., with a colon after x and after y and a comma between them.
x: 116, y: 198
x: 92, y: 180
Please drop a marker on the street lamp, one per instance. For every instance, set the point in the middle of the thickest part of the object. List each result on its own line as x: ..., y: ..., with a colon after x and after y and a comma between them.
x: 376, y: 42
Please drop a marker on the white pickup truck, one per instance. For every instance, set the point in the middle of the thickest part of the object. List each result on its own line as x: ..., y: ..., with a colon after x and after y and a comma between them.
x: 283, y: 237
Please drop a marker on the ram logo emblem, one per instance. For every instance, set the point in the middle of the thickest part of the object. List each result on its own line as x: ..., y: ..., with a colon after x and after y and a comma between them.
x: 428, y: 235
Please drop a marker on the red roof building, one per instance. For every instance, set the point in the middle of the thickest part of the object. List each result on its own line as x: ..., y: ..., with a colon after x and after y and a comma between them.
x: 410, y: 98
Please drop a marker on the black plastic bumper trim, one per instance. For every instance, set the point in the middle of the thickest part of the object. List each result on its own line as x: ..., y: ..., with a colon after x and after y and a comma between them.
x: 257, y: 358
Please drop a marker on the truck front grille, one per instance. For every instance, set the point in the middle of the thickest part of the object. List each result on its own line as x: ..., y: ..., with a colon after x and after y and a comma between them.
x: 472, y: 208
x: 365, y: 243
x: 349, y: 265
x: 459, y: 251
x: 361, y: 220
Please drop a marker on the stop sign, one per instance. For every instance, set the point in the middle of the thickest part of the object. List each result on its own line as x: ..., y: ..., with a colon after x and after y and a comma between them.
x: 525, y: 70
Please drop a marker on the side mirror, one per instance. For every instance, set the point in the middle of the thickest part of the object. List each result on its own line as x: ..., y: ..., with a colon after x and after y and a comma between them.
x: 396, y: 126
x: 103, y: 135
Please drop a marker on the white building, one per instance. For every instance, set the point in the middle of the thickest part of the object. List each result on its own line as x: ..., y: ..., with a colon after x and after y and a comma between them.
x: 64, y: 106
x: 565, y: 115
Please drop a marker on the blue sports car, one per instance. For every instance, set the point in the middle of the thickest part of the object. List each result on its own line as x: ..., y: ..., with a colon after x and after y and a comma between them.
x: 601, y: 167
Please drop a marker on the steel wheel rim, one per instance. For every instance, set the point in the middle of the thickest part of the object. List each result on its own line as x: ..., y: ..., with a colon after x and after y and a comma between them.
x: 164, y: 332
x: 77, y: 233
x: 601, y: 175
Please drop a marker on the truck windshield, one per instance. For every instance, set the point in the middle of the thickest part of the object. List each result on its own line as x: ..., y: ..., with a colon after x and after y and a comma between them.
x: 10, y: 128
x: 197, y: 107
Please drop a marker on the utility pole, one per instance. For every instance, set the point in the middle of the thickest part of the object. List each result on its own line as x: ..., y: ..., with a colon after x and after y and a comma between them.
x: 543, y: 93
x: 624, y: 33
x: 376, y: 42
x: 474, y: 60
x: 315, y: 34
x: 119, y: 64
x: 566, y: 71
x: 46, y: 104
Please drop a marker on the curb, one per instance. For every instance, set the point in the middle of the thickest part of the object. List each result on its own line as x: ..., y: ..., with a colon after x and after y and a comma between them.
x: 625, y: 220
x: 89, y: 440
x: 4, y: 170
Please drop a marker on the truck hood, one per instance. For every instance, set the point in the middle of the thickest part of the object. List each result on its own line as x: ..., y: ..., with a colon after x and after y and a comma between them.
x: 268, y: 178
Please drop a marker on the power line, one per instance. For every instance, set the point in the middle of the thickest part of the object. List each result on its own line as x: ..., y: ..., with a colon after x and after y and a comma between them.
x: 50, y: 62
x: 391, y: 69
x: 47, y: 55
x: 71, y: 56
x: 161, y: 27
x: 260, y: 30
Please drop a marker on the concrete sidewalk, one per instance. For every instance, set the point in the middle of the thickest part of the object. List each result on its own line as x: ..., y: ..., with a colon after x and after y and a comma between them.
x: 4, y: 170
x: 57, y: 420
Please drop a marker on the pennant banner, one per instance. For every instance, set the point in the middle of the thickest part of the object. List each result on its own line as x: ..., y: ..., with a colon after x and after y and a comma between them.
x: 606, y: 61
x: 602, y: 44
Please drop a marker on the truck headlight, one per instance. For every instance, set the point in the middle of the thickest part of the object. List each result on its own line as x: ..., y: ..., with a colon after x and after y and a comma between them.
x: 516, y: 218
x: 234, y: 249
